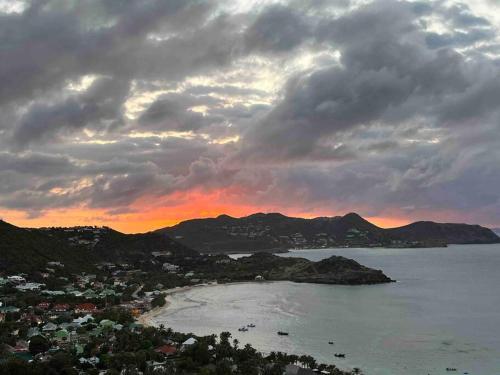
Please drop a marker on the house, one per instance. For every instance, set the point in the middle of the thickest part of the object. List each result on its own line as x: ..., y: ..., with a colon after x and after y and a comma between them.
x: 297, y: 370
x: 61, y: 307
x: 16, y: 279
x: 54, y: 292
x: 8, y: 309
x: 169, y: 267
x: 49, y: 327
x: 154, y: 367
x: 61, y: 336
x: 93, y: 361
x: 85, y: 308
x: 166, y: 350
x: 29, y: 286
x: 55, y: 264
x: 106, y: 323
x: 31, y: 318
x: 190, y: 341
x: 33, y: 331
x: 83, y: 320
x: 43, y: 305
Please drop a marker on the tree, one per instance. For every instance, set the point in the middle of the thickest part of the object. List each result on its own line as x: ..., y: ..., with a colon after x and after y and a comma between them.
x: 223, y: 367
x: 224, y: 349
x: 158, y: 301
x: 38, y: 344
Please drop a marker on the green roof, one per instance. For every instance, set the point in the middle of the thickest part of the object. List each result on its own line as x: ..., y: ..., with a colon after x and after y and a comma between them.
x: 107, y: 323
x: 61, y: 334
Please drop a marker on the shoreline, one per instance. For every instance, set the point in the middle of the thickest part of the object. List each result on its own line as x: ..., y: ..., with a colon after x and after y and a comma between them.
x: 146, y: 318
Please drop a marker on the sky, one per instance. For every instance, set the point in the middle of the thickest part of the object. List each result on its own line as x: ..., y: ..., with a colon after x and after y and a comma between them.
x: 141, y: 114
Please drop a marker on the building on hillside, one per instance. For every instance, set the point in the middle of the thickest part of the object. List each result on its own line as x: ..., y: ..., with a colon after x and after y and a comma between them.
x: 167, y: 350
x: 85, y: 308
x: 49, y: 327
x: 297, y: 370
x: 29, y: 287
x: 61, y: 307
x: 84, y: 319
x: 43, y: 305
x: 189, y: 342
x: 16, y: 279
x: 170, y: 267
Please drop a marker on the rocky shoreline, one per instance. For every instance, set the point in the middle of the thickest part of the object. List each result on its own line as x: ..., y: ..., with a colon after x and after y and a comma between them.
x: 334, y: 270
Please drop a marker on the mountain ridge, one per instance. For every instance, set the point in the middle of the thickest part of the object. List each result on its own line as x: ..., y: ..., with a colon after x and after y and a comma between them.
x: 277, y: 232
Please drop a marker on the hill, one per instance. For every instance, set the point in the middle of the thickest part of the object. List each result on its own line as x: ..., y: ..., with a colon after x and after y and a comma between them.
x: 80, y: 248
x: 447, y: 233
x: 25, y: 250
x: 106, y: 244
x: 275, y: 232
x: 84, y: 248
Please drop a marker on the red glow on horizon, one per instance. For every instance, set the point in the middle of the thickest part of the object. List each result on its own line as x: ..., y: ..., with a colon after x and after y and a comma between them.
x: 195, y: 204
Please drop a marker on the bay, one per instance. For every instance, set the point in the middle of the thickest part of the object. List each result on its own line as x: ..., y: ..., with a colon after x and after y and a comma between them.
x: 444, y: 311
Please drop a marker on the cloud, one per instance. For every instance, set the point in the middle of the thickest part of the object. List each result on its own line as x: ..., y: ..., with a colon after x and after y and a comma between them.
x: 98, y: 107
x: 277, y: 29
x: 306, y: 106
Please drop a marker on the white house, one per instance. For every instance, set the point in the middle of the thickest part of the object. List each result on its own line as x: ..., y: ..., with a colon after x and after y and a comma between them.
x: 29, y: 286
x: 170, y: 267
x: 16, y: 279
x: 190, y: 341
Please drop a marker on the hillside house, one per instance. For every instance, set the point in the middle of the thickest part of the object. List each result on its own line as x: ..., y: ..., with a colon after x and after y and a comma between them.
x: 85, y: 308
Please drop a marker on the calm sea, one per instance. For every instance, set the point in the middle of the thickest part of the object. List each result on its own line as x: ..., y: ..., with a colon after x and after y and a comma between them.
x: 444, y: 311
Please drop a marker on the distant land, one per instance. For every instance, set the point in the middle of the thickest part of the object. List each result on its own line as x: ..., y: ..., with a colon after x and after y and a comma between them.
x: 496, y: 230
x: 277, y: 232
x: 155, y: 257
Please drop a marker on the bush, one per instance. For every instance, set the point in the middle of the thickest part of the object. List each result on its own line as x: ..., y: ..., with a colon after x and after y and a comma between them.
x: 159, y: 301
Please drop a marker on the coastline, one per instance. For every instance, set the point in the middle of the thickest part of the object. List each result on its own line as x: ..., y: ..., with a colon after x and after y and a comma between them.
x: 147, y: 318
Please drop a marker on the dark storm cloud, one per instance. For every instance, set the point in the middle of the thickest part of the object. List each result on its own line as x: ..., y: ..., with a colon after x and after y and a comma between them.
x: 277, y: 29
x: 102, y: 102
x: 387, y: 74
x: 48, y: 43
x: 377, y: 107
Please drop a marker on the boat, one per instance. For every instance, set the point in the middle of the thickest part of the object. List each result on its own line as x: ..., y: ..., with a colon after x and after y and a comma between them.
x: 251, y: 325
x: 281, y: 333
x: 330, y: 342
x: 339, y: 355
x: 243, y: 329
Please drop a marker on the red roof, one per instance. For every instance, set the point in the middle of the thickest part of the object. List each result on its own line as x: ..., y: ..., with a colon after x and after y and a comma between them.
x: 43, y: 305
x: 86, y: 307
x: 166, y: 349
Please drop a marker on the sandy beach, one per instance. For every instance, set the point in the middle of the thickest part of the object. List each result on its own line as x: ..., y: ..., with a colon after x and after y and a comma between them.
x: 147, y: 318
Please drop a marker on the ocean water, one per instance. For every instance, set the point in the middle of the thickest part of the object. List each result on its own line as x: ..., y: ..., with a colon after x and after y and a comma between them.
x: 444, y: 311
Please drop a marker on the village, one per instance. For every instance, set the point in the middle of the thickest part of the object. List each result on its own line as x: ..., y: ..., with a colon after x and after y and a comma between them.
x: 90, y: 323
